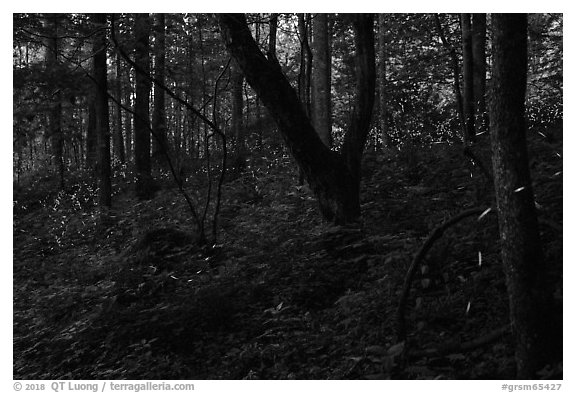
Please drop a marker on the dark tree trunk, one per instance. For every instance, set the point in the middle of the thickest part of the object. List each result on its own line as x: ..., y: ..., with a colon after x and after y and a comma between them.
x: 141, y: 109
x: 128, y: 116
x: 91, y: 140
x: 305, y: 60
x: 159, y: 140
x: 468, y: 76
x: 537, y: 327
x: 479, y: 68
x: 237, y: 126
x: 321, y: 103
x: 118, y: 136
x: 55, y: 116
x: 272, y: 37
x: 101, y: 113
x: 332, y: 179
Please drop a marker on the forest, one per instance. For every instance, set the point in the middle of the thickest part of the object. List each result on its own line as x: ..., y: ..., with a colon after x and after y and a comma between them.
x: 287, y: 196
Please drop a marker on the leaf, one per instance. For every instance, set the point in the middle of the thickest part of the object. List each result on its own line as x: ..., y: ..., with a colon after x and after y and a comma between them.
x: 396, y: 349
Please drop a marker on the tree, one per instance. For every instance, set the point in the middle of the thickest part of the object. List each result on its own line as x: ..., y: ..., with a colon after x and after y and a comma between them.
x: 52, y: 22
x: 383, y: 107
x: 141, y: 108
x: 468, y: 76
x: 237, y: 126
x: 160, y: 141
x: 321, y: 107
x: 118, y: 136
x: 535, y: 324
x: 305, y: 69
x: 479, y: 69
x: 101, y: 112
x: 333, y: 177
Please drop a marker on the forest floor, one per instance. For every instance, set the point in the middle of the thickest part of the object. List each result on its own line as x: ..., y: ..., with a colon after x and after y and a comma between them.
x: 283, y: 295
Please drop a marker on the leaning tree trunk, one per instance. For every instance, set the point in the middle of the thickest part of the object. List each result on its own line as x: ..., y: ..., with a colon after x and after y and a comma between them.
x: 537, y: 328
x: 334, y: 180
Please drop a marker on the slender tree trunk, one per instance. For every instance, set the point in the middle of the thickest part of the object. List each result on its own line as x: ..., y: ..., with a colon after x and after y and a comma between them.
x: 91, y: 140
x: 334, y: 179
x: 321, y: 102
x: 237, y: 126
x: 55, y: 116
x: 272, y: 37
x: 305, y: 61
x: 128, y: 116
x: 118, y: 136
x: 304, y: 77
x: 141, y: 109
x: 537, y: 327
x: 479, y: 56
x: 382, y: 90
x: 102, y: 114
x: 159, y: 140
x: 468, y: 75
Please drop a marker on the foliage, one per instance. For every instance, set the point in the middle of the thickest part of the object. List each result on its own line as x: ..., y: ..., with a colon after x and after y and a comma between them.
x: 284, y: 296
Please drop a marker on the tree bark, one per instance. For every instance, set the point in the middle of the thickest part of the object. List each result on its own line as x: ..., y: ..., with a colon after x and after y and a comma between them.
x: 102, y: 113
x: 141, y: 109
x: 335, y: 184
x: 128, y: 116
x: 91, y: 140
x: 118, y: 137
x: 321, y: 102
x: 382, y: 80
x: 55, y: 114
x: 536, y: 326
x: 479, y: 69
x: 159, y: 140
x: 468, y: 76
x: 237, y: 126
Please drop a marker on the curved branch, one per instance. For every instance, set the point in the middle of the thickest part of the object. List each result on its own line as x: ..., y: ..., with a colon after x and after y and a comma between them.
x: 434, y: 235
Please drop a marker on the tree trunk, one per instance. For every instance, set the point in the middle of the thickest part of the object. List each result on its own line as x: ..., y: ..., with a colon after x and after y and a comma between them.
x: 128, y: 116
x: 101, y: 112
x: 305, y: 60
x: 55, y: 115
x: 118, y: 137
x: 159, y: 139
x: 141, y: 109
x: 335, y: 184
x: 537, y: 327
x: 479, y: 69
x: 468, y: 75
x: 91, y: 140
x: 237, y: 126
x: 382, y: 80
x: 321, y: 103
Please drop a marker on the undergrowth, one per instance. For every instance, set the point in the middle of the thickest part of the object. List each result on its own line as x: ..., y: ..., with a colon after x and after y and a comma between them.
x: 282, y: 295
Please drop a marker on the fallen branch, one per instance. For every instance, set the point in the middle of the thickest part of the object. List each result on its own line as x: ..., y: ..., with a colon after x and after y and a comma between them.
x: 435, y: 235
